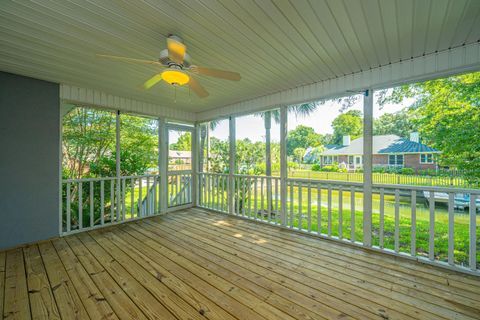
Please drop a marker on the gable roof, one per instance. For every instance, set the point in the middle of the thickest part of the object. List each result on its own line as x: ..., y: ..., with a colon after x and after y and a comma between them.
x: 384, y: 144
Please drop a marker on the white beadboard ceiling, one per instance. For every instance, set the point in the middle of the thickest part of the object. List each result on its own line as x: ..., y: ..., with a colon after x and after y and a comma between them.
x: 276, y: 45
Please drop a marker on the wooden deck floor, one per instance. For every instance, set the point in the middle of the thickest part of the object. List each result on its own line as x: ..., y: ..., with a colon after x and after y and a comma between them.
x: 194, y: 264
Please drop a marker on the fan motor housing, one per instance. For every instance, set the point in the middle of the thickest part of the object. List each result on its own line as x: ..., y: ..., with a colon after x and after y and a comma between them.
x: 166, y: 61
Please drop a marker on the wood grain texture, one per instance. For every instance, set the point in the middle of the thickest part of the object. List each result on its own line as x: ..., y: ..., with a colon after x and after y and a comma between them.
x: 196, y: 264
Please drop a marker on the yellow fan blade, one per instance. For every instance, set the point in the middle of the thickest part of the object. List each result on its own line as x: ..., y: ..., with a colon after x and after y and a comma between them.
x: 227, y: 75
x: 152, y: 81
x: 176, y: 50
x: 125, y: 59
x: 197, y: 88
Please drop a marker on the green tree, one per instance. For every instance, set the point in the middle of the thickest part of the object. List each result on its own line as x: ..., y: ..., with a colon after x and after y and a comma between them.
x: 298, y: 154
x: 349, y: 123
x: 302, y: 137
x: 184, y: 142
x: 448, y: 117
x: 401, y: 123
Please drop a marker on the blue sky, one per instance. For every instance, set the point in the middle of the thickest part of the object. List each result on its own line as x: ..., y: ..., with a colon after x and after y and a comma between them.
x: 321, y: 120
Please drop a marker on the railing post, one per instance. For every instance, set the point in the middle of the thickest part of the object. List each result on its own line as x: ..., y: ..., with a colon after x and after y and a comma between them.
x: 118, y: 168
x: 367, y: 166
x: 162, y: 163
x: 195, y: 164
x: 283, y: 165
x: 231, y: 168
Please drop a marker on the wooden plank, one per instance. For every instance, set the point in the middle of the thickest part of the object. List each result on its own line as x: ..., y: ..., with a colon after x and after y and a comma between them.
x: 296, y: 292
x: 42, y: 302
x: 448, y: 280
x: 16, y: 293
x: 170, y: 307
x: 245, y: 279
x: 116, y: 295
x: 111, y: 291
x: 137, y: 251
x: 95, y: 303
x: 3, y: 256
x: 260, y: 310
x: 366, y: 273
x: 68, y: 303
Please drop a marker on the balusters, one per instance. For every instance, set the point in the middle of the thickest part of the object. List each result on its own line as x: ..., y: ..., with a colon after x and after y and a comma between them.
x: 291, y: 203
x: 91, y: 204
x: 249, y: 197
x: 431, y: 232
x: 277, y: 212
x: 244, y: 192
x: 261, y: 198
x: 123, y: 199
x: 319, y: 210
x: 309, y: 208
x: 268, y: 182
x: 397, y: 220
x: 132, y: 197
x: 382, y: 218
x: 352, y: 214
x: 340, y: 212
x: 472, y: 253
x: 140, y: 204
x: 451, y: 204
x: 102, y: 202
x: 80, y: 206
x: 329, y: 204
x: 112, y: 200
x: 413, y: 239
x: 68, y: 213
x: 300, y: 222
x: 255, y: 196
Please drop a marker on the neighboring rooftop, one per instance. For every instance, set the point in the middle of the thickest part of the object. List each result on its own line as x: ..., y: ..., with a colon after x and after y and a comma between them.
x: 384, y: 144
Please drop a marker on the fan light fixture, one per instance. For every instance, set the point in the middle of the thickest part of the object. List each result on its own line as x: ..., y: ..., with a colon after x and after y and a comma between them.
x: 175, y: 77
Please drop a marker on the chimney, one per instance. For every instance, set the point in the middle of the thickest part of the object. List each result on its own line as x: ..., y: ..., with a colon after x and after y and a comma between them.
x: 346, y: 140
x: 415, y: 137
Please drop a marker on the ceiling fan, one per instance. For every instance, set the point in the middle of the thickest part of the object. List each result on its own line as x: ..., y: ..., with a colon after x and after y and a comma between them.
x: 178, y: 70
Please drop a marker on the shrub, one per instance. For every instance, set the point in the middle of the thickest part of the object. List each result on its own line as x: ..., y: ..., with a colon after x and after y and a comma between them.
x: 316, y: 167
x: 330, y: 168
x: 379, y: 169
x: 407, y: 171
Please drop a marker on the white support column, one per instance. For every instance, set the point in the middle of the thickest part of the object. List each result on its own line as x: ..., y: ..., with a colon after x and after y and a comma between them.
x: 367, y: 166
x: 162, y: 162
x: 231, y: 168
x: 118, y: 159
x: 195, y: 158
x: 283, y: 164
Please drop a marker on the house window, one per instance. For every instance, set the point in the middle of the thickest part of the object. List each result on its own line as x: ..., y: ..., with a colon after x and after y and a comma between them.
x: 426, y: 158
x: 350, y: 159
x: 327, y: 159
x: 395, y: 160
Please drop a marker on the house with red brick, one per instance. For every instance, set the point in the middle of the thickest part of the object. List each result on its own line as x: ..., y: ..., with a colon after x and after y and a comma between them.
x: 388, y: 151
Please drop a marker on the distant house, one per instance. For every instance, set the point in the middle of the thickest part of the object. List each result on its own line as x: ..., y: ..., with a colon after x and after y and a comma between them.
x: 388, y: 151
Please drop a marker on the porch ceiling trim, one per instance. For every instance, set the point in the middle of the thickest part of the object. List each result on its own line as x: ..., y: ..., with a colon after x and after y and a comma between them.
x: 92, y: 97
x: 448, y: 62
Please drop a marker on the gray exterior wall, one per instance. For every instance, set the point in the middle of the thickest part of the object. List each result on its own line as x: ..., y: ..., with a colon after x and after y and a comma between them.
x: 29, y: 160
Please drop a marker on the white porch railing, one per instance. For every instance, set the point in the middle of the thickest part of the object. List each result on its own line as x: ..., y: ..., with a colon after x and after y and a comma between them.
x: 401, y: 223
x: 179, y: 188
x: 95, y: 202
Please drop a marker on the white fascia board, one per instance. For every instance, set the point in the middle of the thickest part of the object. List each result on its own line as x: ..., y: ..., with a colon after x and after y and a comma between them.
x: 96, y: 98
x: 449, y: 62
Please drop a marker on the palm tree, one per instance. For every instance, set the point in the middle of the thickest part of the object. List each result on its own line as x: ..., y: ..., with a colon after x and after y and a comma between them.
x: 300, y: 110
x: 205, y: 137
